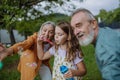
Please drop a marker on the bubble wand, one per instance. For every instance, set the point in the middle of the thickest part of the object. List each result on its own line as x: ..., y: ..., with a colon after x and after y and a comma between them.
x: 50, y: 42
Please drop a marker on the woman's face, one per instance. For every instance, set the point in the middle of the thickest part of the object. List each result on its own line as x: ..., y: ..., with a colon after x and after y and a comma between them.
x: 48, y: 31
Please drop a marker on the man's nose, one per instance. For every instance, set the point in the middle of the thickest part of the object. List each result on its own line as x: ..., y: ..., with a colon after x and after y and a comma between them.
x: 76, y: 31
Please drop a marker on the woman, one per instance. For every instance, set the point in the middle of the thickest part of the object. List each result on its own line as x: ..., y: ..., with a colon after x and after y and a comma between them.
x: 29, y: 64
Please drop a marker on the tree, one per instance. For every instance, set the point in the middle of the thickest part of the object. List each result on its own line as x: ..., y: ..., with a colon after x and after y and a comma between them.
x: 18, y: 10
x: 114, y: 16
x: 110, y: 16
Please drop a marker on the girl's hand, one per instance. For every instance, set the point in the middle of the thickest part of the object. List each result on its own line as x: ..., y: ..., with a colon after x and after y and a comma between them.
x: 69, y: 73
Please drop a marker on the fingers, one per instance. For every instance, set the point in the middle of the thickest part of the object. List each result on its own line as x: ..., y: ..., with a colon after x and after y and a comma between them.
x: 68, y: 74
x: 1, y: 47
x: 2, y: 56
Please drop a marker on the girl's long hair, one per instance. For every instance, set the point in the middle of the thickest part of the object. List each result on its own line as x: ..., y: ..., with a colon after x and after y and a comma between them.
x: 73, y: 46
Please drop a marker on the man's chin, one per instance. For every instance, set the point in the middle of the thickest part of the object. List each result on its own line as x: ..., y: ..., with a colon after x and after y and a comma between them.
x: 84, y: 43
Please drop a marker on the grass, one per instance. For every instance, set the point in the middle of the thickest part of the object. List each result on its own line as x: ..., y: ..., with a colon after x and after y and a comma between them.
x: 9, y: 71
x: 89, y: 59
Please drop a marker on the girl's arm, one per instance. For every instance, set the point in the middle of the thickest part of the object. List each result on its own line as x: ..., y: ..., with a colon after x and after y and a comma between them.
x: 41, y: 54
x: 40, y: 50
x: 81, y: 71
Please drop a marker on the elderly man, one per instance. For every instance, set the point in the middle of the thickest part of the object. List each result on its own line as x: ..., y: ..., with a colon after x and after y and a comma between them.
x: 105, y: 40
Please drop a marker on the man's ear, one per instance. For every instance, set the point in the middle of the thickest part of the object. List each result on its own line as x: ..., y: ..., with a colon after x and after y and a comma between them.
x: 94, y: 23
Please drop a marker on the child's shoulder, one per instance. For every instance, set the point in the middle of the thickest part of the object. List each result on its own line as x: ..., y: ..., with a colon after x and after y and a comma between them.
x: 52, y: 50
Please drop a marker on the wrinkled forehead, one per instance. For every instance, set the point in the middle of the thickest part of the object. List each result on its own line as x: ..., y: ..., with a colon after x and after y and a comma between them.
x: 78, y: 18
x: 47, y: 26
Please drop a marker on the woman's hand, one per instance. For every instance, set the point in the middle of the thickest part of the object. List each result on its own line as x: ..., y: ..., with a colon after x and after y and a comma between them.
x: 2, y: 55
x: 4, y: 52
x: 2, y: 47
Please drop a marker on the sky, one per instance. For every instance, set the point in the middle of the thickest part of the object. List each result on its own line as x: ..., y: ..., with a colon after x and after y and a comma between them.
x: 93, y: 5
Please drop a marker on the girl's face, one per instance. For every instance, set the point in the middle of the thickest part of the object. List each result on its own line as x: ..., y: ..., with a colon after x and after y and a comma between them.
x: 60, y: 36
x: 48, y: 31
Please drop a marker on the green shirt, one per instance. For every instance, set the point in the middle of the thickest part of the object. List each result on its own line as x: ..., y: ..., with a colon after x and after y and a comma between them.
x: 107, y: 51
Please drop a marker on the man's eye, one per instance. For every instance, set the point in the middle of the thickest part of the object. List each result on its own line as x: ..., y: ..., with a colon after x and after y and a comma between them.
x: 79, y: 25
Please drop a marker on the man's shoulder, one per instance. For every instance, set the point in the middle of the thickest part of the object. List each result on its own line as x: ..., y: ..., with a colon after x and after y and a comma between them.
x: 108, y: 35
x: 108, y: 31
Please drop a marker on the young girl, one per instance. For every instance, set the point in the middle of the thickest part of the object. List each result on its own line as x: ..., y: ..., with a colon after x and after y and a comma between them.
x: 66, y: 52
x: 29, y: 64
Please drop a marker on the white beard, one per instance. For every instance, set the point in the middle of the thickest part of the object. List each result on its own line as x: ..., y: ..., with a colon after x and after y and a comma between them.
x: 88, y: 39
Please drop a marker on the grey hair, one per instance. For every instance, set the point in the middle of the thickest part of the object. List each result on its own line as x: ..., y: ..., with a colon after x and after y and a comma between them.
x: 47, y: 23
x: 87, y: 12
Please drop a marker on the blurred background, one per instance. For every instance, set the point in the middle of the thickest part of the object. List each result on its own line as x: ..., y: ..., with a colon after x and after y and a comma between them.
x: 21, y: 18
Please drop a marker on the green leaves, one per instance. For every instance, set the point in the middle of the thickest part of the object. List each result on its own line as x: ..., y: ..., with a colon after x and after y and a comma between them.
x: 110, y: 16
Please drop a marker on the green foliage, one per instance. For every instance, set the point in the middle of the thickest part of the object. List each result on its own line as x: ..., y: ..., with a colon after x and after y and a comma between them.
x: 11, y: 11
x: 116, y: 15
x: 110, y: 16
x: 9, y: 71
x: 103, y: 14
x: 14, y: 15
x: 92, y: 68
x: 34, y: 25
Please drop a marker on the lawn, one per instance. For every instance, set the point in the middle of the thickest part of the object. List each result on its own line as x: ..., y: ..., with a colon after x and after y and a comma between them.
x: 9, y: 71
